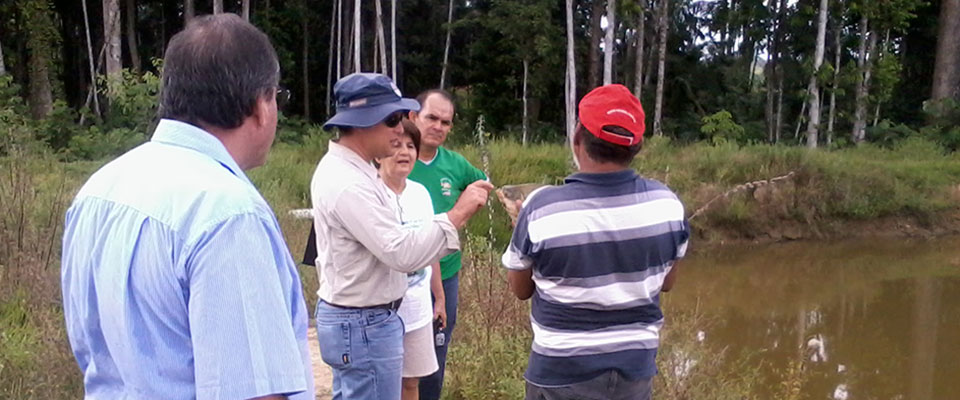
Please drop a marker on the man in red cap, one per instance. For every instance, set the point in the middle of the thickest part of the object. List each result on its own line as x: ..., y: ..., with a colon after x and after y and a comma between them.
x: 594, y: 254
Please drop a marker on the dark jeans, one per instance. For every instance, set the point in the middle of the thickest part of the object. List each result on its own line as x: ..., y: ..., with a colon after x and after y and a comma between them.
x: 431, y: 386
x: 609, y: 386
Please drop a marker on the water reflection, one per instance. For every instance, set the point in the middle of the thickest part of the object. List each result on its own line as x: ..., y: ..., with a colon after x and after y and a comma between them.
x: 870, y: 319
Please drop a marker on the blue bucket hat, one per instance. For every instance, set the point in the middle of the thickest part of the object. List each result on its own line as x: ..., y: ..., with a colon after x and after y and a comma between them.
x: 365, y: 99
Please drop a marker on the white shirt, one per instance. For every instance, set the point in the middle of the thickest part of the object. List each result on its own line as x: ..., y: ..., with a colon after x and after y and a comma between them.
x: 363, y: 252
x: 415, y: 210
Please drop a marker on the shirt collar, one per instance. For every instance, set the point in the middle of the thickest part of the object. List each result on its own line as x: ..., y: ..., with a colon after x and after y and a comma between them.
x: 181, y: 134
x: 605, y: 178
x: 345, y: 153
x: 435, y: 155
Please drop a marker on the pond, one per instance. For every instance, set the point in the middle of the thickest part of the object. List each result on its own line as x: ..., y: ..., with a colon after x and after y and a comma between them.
x: 866, y: 319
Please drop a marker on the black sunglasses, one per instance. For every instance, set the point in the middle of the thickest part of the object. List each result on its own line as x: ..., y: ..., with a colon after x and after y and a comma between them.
x: 283, y: 97
x: 393, y: 120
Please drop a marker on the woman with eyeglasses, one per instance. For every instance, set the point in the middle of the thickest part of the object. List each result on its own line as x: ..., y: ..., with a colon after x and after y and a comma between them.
x: 416, y: 310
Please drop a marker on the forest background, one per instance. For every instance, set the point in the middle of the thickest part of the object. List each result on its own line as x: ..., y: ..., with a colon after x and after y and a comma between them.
x: 737, y: 93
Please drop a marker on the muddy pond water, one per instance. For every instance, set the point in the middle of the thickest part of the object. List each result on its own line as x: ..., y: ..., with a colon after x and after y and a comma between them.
x: 866, y: 319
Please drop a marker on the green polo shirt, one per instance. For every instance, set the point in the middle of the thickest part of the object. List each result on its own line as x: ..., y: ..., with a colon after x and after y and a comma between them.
x: 445, y: 178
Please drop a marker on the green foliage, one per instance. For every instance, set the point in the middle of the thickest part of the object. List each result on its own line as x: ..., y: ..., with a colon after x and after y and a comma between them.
x: 17, y: 135
x: 493, y: 340
x: 295, y: 129
x: 9, y: 101
x: 886, y: 77
x: 17, y: 339
x: 503, y: 34
x: 720, y: 128
x: 93, y: 144
x: 887, y: 134
x: 133, y: 100
x: 43, y: 39
x: 943, y: 122
x: 35, y: 360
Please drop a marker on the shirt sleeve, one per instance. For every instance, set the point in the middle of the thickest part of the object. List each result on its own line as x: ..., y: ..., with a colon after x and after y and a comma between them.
x: 468, y: 173
x: 518, y: 256
x: 243, y: 298
x: 375, y: 226
x: 474, y: 173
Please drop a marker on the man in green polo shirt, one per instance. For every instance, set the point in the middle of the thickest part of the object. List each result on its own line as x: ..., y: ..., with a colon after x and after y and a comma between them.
x: 445, y: 174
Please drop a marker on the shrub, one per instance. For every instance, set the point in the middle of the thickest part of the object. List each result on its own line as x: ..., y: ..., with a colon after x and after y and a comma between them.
x: 720, y: 128
x: 94, y: 144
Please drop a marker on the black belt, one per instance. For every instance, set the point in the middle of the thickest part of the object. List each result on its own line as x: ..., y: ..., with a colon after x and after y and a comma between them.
x: 392, y: 306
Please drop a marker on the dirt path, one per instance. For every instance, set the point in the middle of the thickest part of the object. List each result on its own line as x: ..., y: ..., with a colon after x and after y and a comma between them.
x: 322, y: 377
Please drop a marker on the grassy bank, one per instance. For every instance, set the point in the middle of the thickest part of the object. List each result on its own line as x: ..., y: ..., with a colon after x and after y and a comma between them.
x: 823, y: 192
x: 912, y: 189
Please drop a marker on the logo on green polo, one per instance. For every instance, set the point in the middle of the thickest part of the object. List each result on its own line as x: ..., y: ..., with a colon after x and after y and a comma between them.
x: 446, y: 186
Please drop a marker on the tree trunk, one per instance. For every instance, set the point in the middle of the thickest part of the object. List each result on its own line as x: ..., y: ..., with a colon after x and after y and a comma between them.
x: 946, y: 70
x: 837, y: 42
x: 661, y: 68
x: 813, y: 89
x: 40, y: 52
x: 330, y: 50
x: 778, y: 70
x: 93, y: 70
x: 863, y: 80
x: 608, y: 44
x: 884, y: 52
x: 246, y: 10
x: 339, y: 8
x: 752, y: 66
x: 803, y: 109
x: 356, y: 37
x: 3, y: 67
x: 132, y: 35
x: 188, y: 11
x: 526, y: 66
x: 376, y: 51
x: 769, y: 73
x: 593, y: 74
x: 111, y: 37
x: 348, y: 41
x: 393, y: 39
x: 217, y: 6
x: 446, y: 47
x: 641, y: 33
x: 571, y: 75
x: 306, y: 65
x: 778, y: 113
x: 651, y: 55
x: 381, y: 39
x: 876, y: 115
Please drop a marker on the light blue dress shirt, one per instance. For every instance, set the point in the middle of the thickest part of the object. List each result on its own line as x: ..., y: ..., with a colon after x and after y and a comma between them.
x: 177, y: 282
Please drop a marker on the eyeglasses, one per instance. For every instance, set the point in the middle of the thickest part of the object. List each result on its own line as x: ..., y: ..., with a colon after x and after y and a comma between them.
x: 393, y: 120
x: 283, y: 97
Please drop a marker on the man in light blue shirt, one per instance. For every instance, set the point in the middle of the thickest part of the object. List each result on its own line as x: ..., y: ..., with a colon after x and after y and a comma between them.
x: 177, y: 283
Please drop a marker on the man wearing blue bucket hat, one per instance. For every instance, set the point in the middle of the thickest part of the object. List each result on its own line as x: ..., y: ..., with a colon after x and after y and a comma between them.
x: 363, y: 252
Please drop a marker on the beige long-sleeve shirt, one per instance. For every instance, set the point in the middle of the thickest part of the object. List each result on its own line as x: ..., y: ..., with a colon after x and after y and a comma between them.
x: 363, y: 253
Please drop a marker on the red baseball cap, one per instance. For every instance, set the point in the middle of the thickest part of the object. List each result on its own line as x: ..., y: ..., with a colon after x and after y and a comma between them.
x: 613, y: 105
